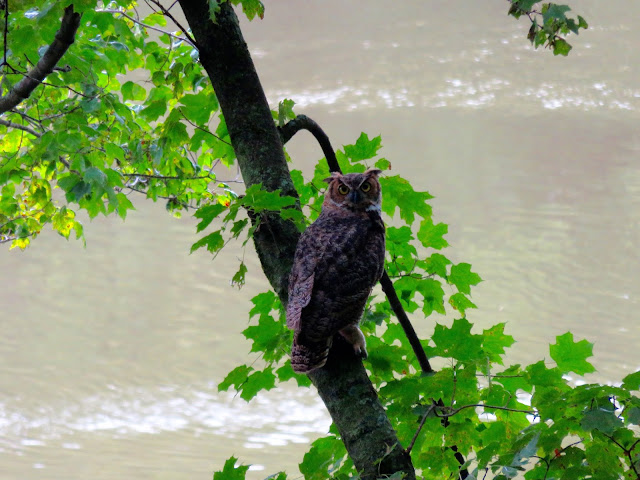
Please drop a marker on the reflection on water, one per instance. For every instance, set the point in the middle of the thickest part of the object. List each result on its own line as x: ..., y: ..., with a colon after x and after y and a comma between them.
x: 110, y: 355
x: 277, y: 418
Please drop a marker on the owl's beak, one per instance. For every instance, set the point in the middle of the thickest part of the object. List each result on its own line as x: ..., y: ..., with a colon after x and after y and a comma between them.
x: 354, y: 196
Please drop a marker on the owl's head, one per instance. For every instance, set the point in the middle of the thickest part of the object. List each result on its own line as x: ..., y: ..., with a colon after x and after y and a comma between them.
x: 359, y: 192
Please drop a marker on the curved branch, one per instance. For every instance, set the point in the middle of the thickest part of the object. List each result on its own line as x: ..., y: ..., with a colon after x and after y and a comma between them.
x: 63, y: 40
x: 302, y: 122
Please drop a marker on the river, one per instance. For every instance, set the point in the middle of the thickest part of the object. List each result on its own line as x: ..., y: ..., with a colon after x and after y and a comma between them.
x: 110, y: 354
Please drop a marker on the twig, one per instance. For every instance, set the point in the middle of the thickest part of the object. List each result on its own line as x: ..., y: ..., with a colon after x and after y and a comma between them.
x: 446, y: 412
x: 6, y: 30
x: 168, y: 14
x: 203, y: 129
x: 415, y: 436
x: 63, y: 40
x: 163, y: 177
x: 9, y: 124
x: 188, y: 40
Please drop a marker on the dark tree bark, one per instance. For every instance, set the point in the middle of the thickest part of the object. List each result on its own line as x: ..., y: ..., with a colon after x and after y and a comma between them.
x: 63, y: 40
x: 343, y: 384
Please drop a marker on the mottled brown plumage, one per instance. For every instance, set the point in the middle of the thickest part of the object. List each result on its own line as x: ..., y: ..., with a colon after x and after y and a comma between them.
x: 338, y: 260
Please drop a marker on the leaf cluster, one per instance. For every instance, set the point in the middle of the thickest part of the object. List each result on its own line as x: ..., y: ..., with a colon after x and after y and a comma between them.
x: 549, y: 24
x: 89, y: 141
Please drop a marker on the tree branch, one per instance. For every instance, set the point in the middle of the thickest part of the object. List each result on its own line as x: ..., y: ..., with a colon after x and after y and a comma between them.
x: 9, y: 124
x: 63, y: 40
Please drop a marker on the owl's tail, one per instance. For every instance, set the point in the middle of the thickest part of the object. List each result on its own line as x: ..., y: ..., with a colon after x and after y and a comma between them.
x: 307, y: 356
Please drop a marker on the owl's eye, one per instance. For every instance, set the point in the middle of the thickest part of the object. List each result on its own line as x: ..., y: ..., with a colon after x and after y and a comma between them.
x: 365, y: 187
x: 343, y: 189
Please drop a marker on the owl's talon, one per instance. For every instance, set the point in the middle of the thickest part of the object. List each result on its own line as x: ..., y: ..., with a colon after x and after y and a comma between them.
x: 360, y: 351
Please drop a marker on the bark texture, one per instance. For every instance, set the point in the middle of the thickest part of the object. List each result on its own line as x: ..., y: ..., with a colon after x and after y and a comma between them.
x: 343, y: 384
x: 65, y: 36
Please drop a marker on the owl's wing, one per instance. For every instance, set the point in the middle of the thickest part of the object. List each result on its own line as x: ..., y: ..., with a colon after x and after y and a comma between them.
x: 308, y: 252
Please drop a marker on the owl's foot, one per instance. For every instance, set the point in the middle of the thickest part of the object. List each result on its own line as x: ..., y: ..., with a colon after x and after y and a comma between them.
x: 355, y: 337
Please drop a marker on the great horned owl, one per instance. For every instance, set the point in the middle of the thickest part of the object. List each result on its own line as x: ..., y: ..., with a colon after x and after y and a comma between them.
x: 338, y: 260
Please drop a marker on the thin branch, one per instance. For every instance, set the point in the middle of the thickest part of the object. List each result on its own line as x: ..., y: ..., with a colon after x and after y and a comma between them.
x: 422, y: 421
x: 137, y: 190
x: 63, y: 40
x: 186, y: 39
x: 446, y: 412
x: 163, y: 177
x: 203, y: 129
x: 168, y: 14
x: 9, y: 124
x: 6, y: 30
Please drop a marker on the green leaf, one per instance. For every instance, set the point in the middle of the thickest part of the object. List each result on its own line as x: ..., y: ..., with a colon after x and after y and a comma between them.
x: 458, y: 342
x: 561, y: 47
x: 230, y: 471
x: 324, y: 453
x: 555, y: 12
x: 571, y: 356
x: 436, y: 264
x: 495, y: 341
x: 238, y: 277
x: 259, y: 199
x: 236, y: 378
x: 199, y: 107
x: 604, y: 420
x: 213, y: 242
x: 364, y: 148
x: 114, y: 151
x: 631, y: 381
x: 251, y: 8
x: 526, y: 5
x: 207, y: 214
x: 432, y: 236
x: 462, y: 277
x: 124, y: 205
x: 133, y: 91
x: 257, y: 381
x: 270, y: 336
x: 461, y: 303
x: 582, y: 23
x: 95, y: 176
x: 285, y: 111
x: 398, y: 193
x: 154, y: 110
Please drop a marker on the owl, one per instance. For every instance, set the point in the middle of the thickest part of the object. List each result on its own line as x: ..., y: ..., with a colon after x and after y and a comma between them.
x: 338, y: 260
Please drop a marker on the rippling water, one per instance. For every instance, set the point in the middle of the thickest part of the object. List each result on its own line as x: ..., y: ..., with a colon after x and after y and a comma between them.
x: 110, y: 355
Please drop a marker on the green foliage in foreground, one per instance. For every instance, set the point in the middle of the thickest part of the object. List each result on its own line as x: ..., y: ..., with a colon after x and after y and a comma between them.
x: 507, y: 421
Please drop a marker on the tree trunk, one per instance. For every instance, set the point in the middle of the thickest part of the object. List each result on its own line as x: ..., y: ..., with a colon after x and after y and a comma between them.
x: 343, y: 384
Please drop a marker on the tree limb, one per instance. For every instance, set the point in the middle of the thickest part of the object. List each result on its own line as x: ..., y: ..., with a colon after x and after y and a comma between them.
x: 63, y: 40
x: 9, y: 124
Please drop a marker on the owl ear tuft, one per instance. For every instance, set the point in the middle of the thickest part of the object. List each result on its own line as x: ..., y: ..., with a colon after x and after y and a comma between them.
x: 334, y: 176
x: 373, y: 171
